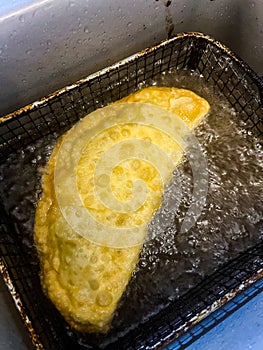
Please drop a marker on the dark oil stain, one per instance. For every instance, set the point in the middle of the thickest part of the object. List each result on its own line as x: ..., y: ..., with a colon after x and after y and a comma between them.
x: 169, y: 25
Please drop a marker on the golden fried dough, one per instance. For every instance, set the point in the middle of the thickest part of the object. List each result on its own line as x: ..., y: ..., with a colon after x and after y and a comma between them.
x: 83, y: 278
x: 187, y: 105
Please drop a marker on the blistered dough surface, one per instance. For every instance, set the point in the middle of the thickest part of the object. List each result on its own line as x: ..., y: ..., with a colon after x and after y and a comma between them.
x: 85, y: 280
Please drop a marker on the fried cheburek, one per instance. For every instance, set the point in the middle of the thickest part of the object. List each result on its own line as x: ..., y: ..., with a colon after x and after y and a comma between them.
x: 85, y: 279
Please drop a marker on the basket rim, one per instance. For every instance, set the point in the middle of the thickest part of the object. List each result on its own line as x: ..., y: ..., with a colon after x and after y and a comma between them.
x: 198, y: 35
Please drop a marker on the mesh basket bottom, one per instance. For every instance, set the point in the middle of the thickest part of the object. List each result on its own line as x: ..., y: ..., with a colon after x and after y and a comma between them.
x: 217, y: 236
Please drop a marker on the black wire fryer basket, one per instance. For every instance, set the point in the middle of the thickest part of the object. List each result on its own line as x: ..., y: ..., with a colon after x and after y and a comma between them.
x: 59, y: 111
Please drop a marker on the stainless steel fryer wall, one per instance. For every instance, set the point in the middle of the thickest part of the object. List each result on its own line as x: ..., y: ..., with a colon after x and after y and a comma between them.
x: 47, y: 44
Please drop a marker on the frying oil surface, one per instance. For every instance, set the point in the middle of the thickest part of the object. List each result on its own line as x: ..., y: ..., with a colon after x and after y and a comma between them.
x: 171, y: 262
